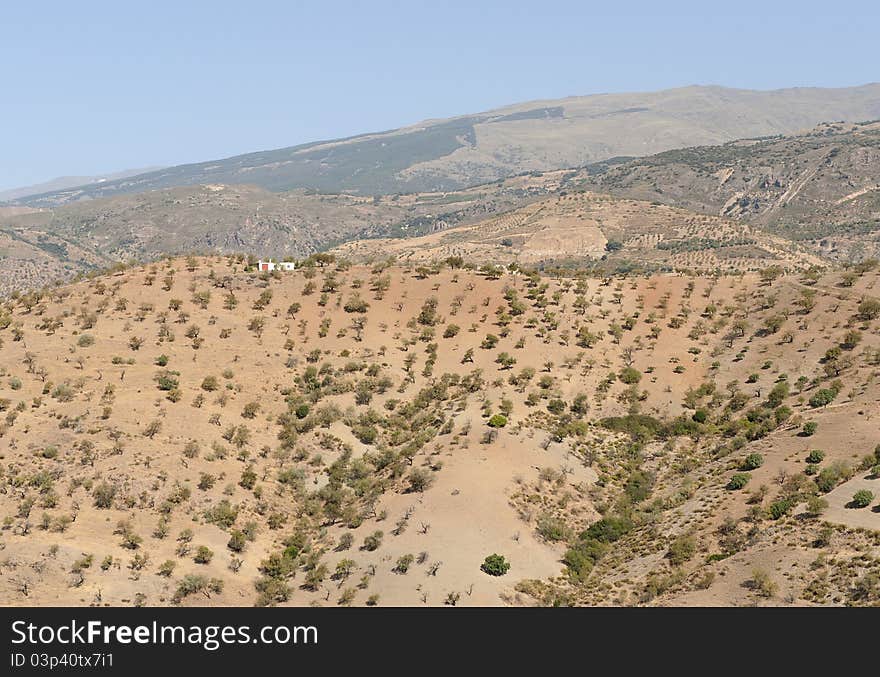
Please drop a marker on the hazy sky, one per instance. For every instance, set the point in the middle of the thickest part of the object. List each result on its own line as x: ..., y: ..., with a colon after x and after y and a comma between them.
x: 92, y: 86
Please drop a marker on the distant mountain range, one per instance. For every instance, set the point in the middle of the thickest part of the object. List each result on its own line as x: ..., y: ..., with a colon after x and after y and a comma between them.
x: 65, y: 182
x: 796, y: 199
x: 455, y: 153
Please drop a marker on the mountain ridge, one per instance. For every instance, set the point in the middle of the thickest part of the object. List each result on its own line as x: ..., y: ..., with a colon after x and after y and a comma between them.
x: 65, y: 182
x: 796, y: 201
x: 540, y: 135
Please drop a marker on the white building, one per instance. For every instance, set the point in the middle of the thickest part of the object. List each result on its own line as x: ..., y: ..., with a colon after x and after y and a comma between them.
x: 270, y: 265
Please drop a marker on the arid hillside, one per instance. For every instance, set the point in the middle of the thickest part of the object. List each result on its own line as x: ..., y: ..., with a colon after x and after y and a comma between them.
x: 795, y: 201
x: 41, y: 247
x: 34, y: 258
x: 194, y: 432
x: 586, y: 229
x: 820, y: 188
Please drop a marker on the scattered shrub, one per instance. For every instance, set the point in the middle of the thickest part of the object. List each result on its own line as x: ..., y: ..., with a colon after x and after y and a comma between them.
x: 497, y: 421
x: 738, y: 481
x: 862, y: 498
x: 495, y: 565
x: 752, y: 462
x: 816, y: 456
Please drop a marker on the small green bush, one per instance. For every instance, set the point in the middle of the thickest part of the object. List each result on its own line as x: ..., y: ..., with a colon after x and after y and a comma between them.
x: 816, y: 456
x: 831, y: 476
x: 204, y: 554
x: 681, y: 549
x: 862, y: 498
x: 823, y: 398
x: 498, y: 421
x: 495, y: 565
x: 738, y: 481
x: 752, y: 462
x: 809, y: 429
x: 781, y: 508
x: 607, y: 529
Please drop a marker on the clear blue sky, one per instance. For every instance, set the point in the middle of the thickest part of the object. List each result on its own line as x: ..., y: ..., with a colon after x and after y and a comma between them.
x: 95, y: 86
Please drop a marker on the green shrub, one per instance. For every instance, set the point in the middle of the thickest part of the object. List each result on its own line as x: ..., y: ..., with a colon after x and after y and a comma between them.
x: 166, y: 380
x: 495, y: 565
x: 831, y: 476
x: 356, y: 305
x: 638, y: 486
x: 738, y: 481
x: 778, y: 394
x: 223, y: 514
x: 367, y: 434
x: 193, y: 583
x: 816, y: 456
x: 373, y: 541
x: 862, y: 498
x: 204, y: 555
x: 237, y: 541
x: 552, y: 528
x: 419, y: 479
x: 816, y: 505
x: 638, y: 426
x: 104, y: 494
x: 681, y: 549
x: 556, y: 406
x: 822, y: 398
x: 752, y: 462
x: 272, y: 591
x: 497, y: 421
x: 581, y: 557
x: 869, y: 309
x: 210, y: 383
x: 607, y: 529
x: 167, y: 567
x: 781, y: 508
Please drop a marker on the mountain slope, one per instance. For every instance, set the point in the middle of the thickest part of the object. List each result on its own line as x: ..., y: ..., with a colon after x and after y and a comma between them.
x: 820, y: 188
x: 241, y: 219
x: 64, y: 182
x: 737, y: 206
x: 194, y: 432
x: 583, y: 228
x: 464, y: 151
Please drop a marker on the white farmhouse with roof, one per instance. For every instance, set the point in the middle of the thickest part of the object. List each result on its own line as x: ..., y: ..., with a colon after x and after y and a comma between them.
x: 270, y: 265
